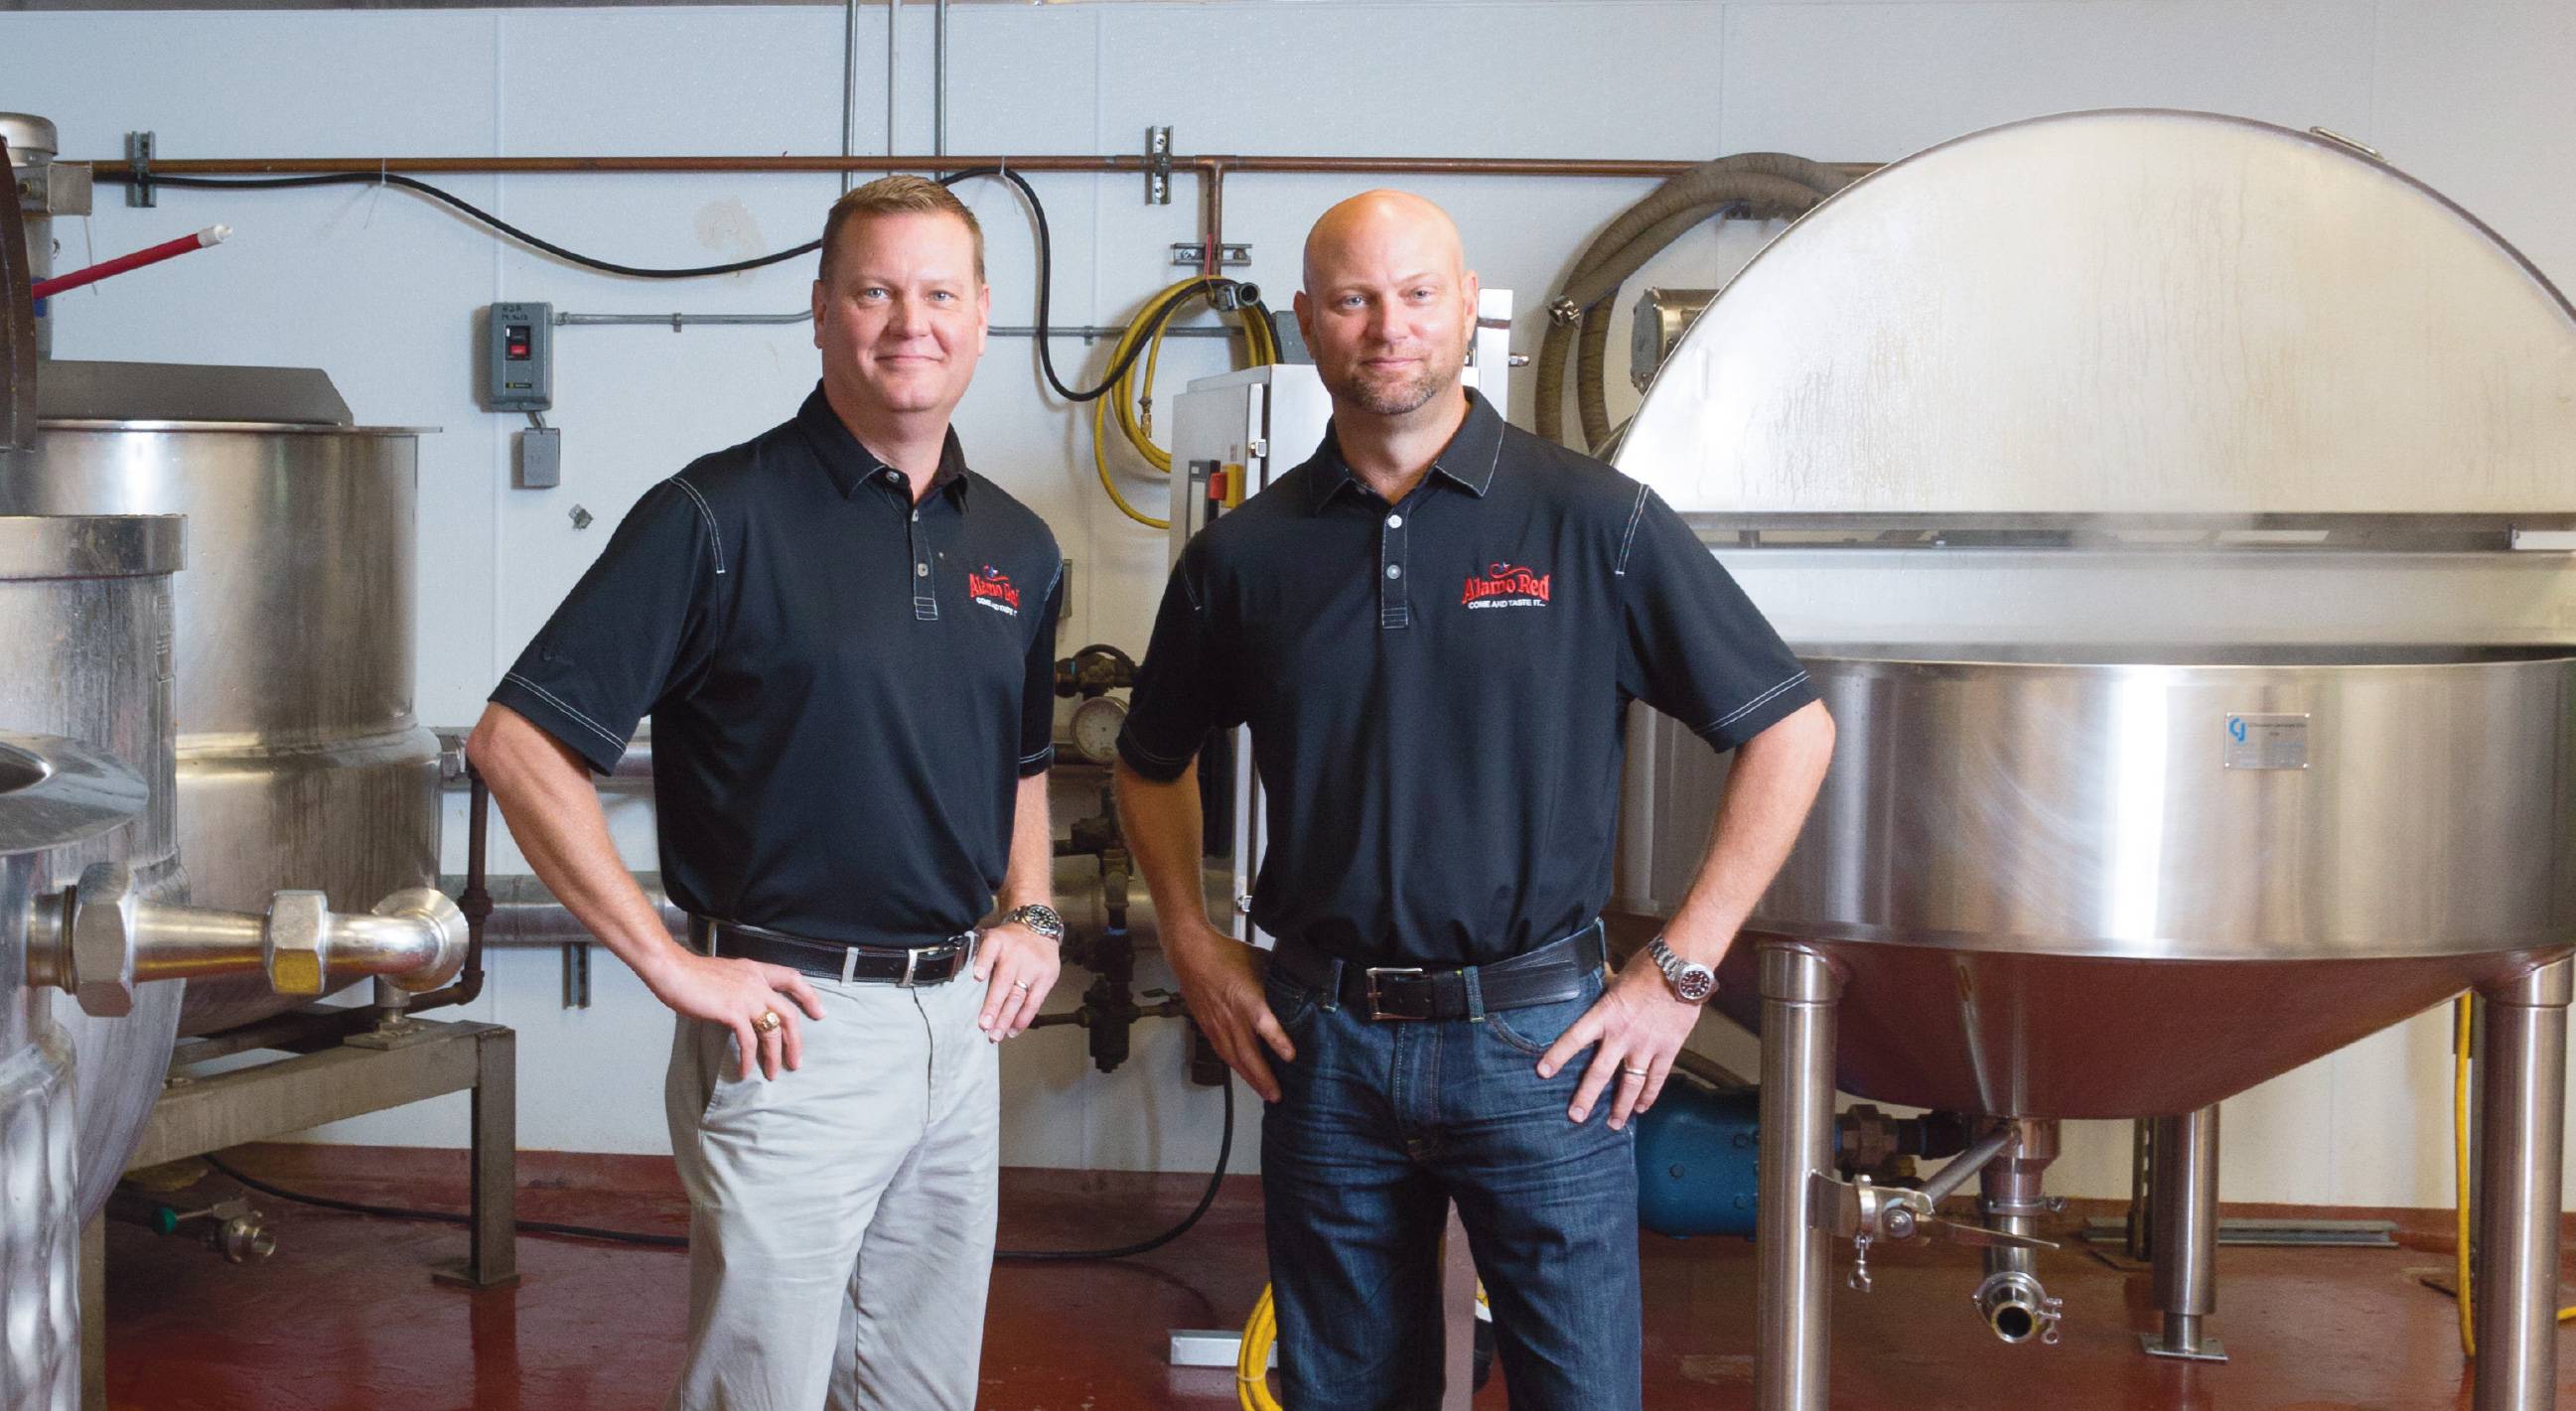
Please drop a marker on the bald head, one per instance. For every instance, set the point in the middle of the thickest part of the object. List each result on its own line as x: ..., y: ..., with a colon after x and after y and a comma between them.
x: 1389, y: 304
x: 1376, y: 226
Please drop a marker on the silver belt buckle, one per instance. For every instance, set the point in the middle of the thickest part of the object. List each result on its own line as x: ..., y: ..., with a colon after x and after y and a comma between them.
x: 911, y: 962
x: 849, y: 963
x: 1373, y: 972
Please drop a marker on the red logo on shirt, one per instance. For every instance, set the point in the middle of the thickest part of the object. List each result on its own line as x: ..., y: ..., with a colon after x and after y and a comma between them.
x: 1507, y: 586
x: 993, y: 589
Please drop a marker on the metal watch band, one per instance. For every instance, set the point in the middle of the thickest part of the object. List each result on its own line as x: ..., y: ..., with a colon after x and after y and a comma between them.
x: 1039, y: 918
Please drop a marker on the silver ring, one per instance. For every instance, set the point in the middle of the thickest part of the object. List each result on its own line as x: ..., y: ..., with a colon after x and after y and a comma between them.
x: 1019, y: 984
x: 1633, y: 1072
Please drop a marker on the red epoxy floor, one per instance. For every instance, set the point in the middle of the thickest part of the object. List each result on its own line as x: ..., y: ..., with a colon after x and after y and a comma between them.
x: 345, y: 1317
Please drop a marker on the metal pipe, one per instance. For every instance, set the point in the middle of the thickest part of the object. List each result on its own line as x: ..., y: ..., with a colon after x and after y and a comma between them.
x: 849, y: 88
x: 1970, y: 1162
x: 939, y: 79
x: 1088, y: 332
x: 2521, y: 1116
x: 526, y: 914
x: 1120, y: 162
x: 894, y: 72
x: 1792, y: 1302
x: 17, y: 336
x: 2184, y: 1219
x: 104, y: 939
x: 2015, y: 1305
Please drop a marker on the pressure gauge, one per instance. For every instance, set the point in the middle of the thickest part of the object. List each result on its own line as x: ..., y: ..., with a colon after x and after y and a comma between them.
x: 1096, y: 723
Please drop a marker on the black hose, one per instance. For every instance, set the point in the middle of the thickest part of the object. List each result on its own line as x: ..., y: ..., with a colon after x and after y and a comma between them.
x: 445, y: 1217
x: 1019, y: 183
x: 1216, y: 1180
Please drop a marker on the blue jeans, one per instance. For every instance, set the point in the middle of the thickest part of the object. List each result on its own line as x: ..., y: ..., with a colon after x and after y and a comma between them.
x: 1379, y: 1127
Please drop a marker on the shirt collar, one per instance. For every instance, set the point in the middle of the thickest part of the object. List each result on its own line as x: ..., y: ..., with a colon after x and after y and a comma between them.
x: 1468, y: 461
x: 851, y: 464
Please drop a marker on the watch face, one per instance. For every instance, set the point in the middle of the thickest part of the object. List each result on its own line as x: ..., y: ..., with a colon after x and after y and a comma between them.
x: 1696, y: 983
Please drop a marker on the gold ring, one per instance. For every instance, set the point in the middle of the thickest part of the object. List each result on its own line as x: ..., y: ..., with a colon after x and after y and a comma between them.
x: 1019, y: 984
x: 768, y: 1021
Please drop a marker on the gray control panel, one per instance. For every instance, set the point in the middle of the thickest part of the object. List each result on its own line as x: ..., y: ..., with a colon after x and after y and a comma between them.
x: 519, y: 357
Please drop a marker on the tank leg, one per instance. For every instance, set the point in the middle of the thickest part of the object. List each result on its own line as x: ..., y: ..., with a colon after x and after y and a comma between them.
x: 2521, y: 1116
x: 1800, y: 989
x: 492, y: 1249
x: 93, y: 1313
x: 2185, y: 1227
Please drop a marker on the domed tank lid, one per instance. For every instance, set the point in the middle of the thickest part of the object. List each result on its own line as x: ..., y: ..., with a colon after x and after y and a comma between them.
x: 2119, y: 313
x: 55, y: 792
x: 91, y: 545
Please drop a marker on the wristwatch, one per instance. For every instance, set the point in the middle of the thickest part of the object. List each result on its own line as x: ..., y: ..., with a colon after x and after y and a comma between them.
x: 1692, y: 982
x: 1037, y: 917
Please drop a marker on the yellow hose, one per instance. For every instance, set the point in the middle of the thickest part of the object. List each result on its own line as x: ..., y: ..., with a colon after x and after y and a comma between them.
x: 1252, y: 1359
x: 2461, y: 1031
x: 1261, y: 347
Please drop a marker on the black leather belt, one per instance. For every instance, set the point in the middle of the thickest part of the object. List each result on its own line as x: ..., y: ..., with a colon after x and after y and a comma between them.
x: 1551, y: 974
x: 933, y: 964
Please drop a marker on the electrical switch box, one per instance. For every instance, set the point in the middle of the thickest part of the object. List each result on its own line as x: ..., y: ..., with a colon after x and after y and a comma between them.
x: 540, y: 458
x: 519, y: 357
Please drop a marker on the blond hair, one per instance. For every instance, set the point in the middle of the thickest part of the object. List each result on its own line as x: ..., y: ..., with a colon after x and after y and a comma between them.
x: 900, y: 194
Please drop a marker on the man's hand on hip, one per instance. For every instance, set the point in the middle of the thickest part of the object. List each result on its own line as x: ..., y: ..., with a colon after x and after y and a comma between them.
x: 744, y: 996
x: 1018, y: 967
x: 1640, y: 1026
x: 1221, y: 981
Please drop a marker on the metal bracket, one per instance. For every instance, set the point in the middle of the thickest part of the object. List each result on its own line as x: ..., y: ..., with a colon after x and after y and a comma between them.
x: 576, y: 975
x: 1158, y: 166
x: 138, y: 159
x: 1194, y: 255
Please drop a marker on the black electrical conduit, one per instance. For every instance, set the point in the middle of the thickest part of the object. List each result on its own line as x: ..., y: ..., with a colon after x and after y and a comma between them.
x: 1019, y: 183
x: 1764, y: 184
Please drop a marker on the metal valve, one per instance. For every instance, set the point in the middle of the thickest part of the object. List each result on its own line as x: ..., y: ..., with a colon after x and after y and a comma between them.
x: 1865, y: 1212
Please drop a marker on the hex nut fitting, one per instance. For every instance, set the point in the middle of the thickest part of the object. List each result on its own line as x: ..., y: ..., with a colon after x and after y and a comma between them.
x: 102, y: 940
x: 298, y: 937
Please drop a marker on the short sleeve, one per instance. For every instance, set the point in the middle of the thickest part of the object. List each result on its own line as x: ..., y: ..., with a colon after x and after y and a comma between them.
x: 1182, y: 689
x: 1037, y: 691
x: 638, y: 622
x: 1697, y: 649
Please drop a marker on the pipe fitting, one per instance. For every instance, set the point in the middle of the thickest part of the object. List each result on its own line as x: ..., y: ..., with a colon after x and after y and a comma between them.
x: 99, y: 939
x: 2018, y: 1308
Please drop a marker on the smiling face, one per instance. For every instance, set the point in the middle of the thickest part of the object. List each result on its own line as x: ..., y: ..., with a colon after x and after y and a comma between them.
x: 900, y: 315
x: 1389, y: 306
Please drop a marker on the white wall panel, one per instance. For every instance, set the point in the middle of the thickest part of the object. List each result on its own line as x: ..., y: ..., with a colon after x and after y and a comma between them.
x: 380, y: 288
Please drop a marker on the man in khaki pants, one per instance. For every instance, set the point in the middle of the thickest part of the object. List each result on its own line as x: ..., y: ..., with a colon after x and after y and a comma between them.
x: 846, y: 641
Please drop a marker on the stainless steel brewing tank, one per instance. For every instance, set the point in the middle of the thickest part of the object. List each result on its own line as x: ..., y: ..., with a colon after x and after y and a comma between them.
x: 300, y: 763
x: 85, y: 611
x: 56, y: 797
x: 2133, y: 882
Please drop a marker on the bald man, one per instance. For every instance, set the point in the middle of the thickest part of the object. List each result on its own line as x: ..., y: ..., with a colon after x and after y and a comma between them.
x: 1434, y: 627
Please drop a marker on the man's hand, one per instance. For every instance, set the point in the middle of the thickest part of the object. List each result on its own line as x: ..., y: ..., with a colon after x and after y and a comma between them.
x: 736, y: 993
x: 1640, y: 1026
x: 1018, y: 967
x: 1221, y: 981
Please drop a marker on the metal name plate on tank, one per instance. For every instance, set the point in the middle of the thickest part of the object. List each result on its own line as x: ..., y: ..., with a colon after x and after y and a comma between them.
x: 2267, y: 742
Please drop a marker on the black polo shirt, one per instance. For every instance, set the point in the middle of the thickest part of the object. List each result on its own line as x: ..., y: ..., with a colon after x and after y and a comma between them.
x: 845, y: 687
x: 1437, y: 688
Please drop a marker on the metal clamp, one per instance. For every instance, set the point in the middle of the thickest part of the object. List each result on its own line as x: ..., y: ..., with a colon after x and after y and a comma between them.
x: 139, y: 190
x: 1864, y: 1212
x: 1158, y: 166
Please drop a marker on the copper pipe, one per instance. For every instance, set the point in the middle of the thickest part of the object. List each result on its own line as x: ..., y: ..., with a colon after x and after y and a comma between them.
x: 1212, y: 220
x: 1207, y: 167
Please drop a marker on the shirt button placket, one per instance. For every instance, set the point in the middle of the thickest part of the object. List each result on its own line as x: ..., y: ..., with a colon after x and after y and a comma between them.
x: 1393, y: 609
x: 925, y: 598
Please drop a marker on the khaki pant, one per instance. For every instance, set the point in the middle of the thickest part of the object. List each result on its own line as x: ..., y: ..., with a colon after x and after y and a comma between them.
x: 841, y: 1216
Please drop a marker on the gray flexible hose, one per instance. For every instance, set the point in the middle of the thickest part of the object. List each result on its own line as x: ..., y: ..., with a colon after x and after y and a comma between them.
x: 1767, y: 184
